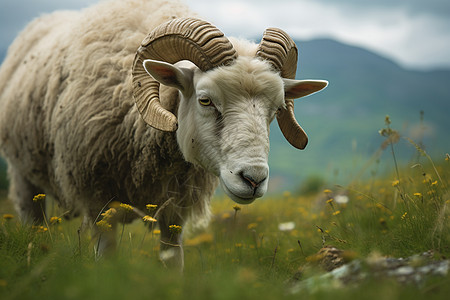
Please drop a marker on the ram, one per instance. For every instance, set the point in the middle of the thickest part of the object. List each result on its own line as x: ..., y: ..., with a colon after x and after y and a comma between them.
x: 90, y: 115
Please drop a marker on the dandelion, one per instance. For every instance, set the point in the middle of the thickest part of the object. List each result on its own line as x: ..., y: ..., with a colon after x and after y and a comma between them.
x: 175, y: 228
x: 327, y: 191
x: 39, y: 197
x: 156, y: 231
x: 149, y: 219
x: 8, y: 216
x: 55, y: 220
x: 330, y: 200
x: 151, y: 207
x: 126, y: 207
x: 395, y: 183
x: 418, y: 194
x: 434, y: 183
x: 104, y: 225
x: 336, y: 213
x: 236, y: 207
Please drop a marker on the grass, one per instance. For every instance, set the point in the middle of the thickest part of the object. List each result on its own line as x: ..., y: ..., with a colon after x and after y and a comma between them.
x: 247, y: 252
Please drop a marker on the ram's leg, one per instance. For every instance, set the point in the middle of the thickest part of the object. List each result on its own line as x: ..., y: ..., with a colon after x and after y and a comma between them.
x: 171, y: 248
x: 22, y: 192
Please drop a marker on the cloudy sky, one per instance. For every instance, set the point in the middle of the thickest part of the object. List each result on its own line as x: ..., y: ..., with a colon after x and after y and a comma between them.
x: 414, y: 33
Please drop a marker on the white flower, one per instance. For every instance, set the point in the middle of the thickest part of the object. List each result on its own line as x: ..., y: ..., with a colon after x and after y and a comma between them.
x: 286, y: 226
x: 341, y: 199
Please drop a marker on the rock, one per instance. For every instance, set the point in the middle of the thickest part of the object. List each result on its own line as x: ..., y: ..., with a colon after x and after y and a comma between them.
x: 415, y: 269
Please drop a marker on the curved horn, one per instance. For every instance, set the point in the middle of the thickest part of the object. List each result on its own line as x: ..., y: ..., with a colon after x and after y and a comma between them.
x: 280, y: 50
x: 179, y: 39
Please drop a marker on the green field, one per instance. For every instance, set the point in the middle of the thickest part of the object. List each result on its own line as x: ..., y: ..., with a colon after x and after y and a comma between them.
x: 267, y: 250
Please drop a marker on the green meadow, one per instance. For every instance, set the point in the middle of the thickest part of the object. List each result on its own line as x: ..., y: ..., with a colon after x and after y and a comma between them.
x: 260, y: 251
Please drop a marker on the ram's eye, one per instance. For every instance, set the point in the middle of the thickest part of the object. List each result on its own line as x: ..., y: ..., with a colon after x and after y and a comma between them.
x: 205, y: 101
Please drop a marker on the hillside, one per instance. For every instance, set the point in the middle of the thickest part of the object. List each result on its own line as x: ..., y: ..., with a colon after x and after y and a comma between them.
x: 343, y: 120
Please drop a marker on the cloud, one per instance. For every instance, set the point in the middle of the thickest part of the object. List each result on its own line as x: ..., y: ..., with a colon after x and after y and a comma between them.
x: 407, y: 32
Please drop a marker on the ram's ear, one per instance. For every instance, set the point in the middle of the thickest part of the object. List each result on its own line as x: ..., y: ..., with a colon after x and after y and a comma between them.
x: 170, y: 75
x: 294, y: 89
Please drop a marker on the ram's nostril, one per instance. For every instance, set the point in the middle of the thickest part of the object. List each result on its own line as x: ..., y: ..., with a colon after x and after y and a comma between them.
x: 251, y: 181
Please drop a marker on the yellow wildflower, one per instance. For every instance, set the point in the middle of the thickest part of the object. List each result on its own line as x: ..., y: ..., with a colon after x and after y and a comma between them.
x: 327, y: 191
x: 156, y: 231
x: 404, y: 215
x: 8, y: 216
x: 151, y: 207
x: 126, y: 207
x: 55, y: 220
x: 175, y: 228
x: 395, y: 183
x: 148, y: 219
x: 330, y: 200
x: 427, y: 179
x: 103, y: 225
x: 434, y: 182
x: 200, y: 239
x: 238, y: 245
x: 39, y: 197
x: 336, y: 213
x: 39, y: 228
x: 226, y: 215
x: 418, y: 194
x: 107, y: 215
x: 236, y: 207
x: 252, y: 225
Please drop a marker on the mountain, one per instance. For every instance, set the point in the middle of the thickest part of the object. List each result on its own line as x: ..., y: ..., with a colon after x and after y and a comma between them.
x: 343, y: 120
x: 2, y: 54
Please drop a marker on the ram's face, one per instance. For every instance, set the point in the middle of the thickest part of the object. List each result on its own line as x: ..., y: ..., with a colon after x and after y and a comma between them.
x: 224, y: 116
x: 224, y: 125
